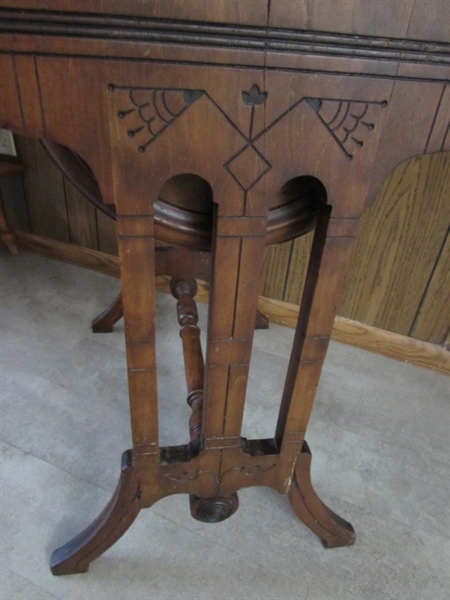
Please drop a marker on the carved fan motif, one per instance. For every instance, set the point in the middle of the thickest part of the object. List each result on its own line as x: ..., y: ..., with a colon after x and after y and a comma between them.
x: 154, y: 109
x: 347, y: 121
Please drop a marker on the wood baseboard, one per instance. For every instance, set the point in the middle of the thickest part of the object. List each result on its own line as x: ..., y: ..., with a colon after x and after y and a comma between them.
x: 392, y: 345
x: 70, y: 253
x: 379, y: 341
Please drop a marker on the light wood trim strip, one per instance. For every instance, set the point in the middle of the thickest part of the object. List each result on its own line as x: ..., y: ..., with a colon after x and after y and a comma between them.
x: 70, y: 253
x: 379, y: 341
x: 392, y: 345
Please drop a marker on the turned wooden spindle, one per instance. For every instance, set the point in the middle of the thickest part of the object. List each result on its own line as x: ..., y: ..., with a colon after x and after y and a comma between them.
x: 184, y: 291
x: 208, y: 510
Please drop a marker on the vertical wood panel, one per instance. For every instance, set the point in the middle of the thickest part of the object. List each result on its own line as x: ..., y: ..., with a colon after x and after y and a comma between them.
x: 297, y: 269
x: 12, y: 194
x: 107, y: 235
x: 275, y: 269
x: 81, y: 216
x: 44, y: 188
x: 433, y: 318
x: 399, y: 241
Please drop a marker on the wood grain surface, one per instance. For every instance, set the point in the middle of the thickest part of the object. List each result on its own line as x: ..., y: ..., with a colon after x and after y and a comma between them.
x: 256, y: 107
x: 398, y: 282
x: 400, y: 250
x: 398, y: 347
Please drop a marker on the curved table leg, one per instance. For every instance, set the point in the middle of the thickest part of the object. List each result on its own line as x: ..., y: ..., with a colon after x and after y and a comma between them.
x: 104, y: 323
x: 76, y: 555
x: 331, y: 529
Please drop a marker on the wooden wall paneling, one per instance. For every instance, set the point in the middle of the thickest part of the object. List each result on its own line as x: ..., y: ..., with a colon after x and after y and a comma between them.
x: 429, y: 127
x: 85, y: 225
x: 298, y: 266
x: 44, y: 188
x: 12, y: 194
x: 81, y: 217
x: 9, y: 94
x: 107, y: 235
x: 399, y: 241
x: 252, y: 12
x: 432, y: 322
x: 275, y: 268
x: 345, y: 16
x: 422, y: 28
x: 284, y: 269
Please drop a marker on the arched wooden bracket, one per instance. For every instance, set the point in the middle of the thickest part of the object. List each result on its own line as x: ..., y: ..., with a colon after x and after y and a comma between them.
x: 331, y: 529
x: 124, y: 506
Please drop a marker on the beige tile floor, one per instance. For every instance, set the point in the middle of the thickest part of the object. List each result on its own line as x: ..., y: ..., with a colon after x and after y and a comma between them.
x: 379, y: 436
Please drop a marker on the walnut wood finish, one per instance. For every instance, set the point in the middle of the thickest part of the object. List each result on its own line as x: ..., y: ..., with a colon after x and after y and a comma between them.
x: 7, y: 235
x: 184, y: 291
x: 183, y: 215
x: 208, y: 510
x: 240, y: 103
x: 105, y: 321
x: 331, y: 529
x: 76, y: 555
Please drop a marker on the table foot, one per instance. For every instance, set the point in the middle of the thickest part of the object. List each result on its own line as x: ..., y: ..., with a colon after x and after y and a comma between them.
x: 105, y: 322
x: 262, y: 321
x: 76, y: 555
x: 329, y: 527
x: 213, y: 510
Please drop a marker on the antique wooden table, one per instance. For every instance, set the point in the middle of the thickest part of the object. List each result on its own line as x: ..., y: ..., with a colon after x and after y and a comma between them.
x: 219, y: 126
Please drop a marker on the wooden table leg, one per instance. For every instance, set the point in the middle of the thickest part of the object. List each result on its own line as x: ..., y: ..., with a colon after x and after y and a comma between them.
x: 333, y: 530
x: 76, y: 555
x: 217, y: 463
x: 330, y: 253
x: 136, y: 249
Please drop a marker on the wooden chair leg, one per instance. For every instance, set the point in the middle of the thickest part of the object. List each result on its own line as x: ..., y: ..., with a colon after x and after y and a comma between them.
x: 105, y: 322
x: 76, y: 555
x: 331, y: 529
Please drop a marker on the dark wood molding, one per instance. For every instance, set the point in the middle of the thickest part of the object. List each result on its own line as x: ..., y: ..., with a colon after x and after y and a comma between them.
x: 385, y: 52
x: 142, y: 29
